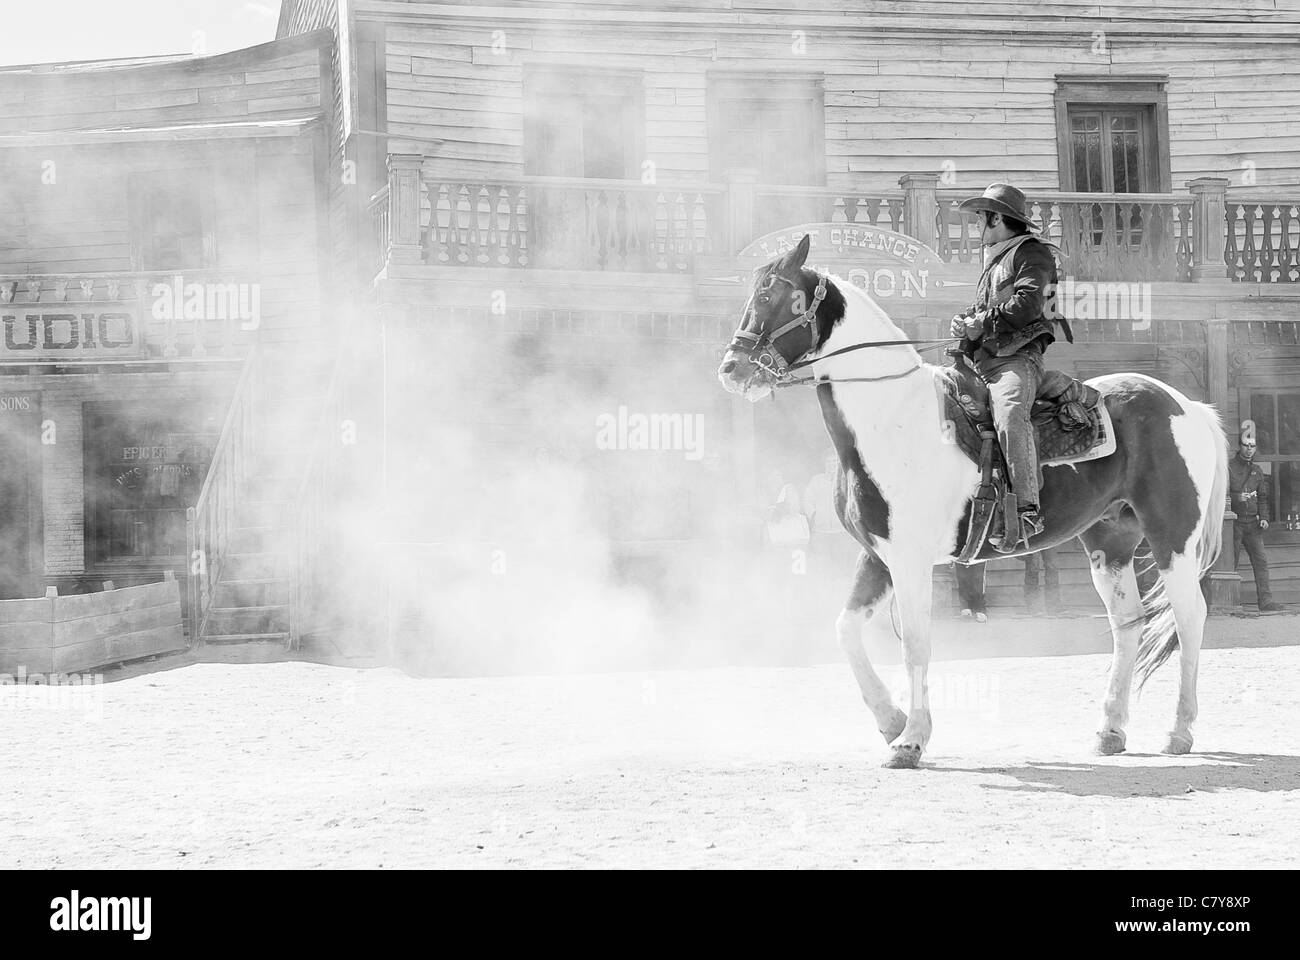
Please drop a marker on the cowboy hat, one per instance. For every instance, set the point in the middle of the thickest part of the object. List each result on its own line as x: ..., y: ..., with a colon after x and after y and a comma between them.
x: 1000, y: 198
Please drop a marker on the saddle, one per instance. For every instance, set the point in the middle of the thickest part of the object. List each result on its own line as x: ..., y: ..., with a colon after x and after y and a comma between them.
x: 1071, y: 425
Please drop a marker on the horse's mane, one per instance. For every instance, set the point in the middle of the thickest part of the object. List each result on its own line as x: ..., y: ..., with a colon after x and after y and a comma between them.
x: 844, y: 289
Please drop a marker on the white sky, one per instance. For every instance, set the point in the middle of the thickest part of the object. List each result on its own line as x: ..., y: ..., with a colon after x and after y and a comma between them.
x: 51, y: 31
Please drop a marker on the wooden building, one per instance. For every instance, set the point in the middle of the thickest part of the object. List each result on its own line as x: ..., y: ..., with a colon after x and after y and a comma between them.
x: 162, y: 245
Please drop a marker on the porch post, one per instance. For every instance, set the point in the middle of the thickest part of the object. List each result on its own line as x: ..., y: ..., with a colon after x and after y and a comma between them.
x: 1224, y: 593
x: 1209, y: 229
x: 740, y: 207
x: 920, y: 206
x: 404, y: 208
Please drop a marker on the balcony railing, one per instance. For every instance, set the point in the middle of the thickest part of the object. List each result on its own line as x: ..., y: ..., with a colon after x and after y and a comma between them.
x: 1109, y: 237
x: 1206, y: 233
x: 572, y: 224
x: 1263, y: 239
x: 549, y: 222
x: 189, y: 314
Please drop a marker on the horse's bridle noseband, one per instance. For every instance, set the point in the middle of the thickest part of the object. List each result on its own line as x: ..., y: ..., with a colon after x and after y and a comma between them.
x: 761, y: 347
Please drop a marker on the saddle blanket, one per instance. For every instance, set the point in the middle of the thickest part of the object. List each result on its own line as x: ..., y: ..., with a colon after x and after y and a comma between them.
x: 1071, y: 422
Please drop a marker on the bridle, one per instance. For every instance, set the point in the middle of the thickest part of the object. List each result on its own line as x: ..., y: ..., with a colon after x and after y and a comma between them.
x: 761, y: 350
x: 761, y: 347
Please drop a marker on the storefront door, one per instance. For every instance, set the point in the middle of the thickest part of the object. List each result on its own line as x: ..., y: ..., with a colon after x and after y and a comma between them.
x: 21, y: 549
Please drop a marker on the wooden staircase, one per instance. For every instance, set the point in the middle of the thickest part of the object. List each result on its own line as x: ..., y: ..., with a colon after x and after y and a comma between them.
x: 250, y: 601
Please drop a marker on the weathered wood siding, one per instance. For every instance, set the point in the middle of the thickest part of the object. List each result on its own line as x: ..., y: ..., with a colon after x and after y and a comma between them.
x: 259, y: 83
x: 263, y: 204
x: 910, y: 87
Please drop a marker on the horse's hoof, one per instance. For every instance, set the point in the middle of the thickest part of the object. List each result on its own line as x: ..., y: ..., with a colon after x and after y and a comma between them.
x: 1109, y: 743
x: 1178, y: 744
x: 904, y: 757
x: 895, y: 728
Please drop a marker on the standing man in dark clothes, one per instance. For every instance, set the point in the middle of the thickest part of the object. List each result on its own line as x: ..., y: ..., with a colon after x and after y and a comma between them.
x: 1248, y: 489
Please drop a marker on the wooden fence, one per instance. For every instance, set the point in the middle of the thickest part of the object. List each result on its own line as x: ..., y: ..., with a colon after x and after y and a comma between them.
x: 56, y: 634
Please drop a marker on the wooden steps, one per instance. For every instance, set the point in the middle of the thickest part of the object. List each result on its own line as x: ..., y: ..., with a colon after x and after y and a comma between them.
x: 252, y: 602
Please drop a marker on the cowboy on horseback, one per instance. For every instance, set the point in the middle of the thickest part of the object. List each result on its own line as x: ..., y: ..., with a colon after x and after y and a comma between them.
x: 1005, y: 332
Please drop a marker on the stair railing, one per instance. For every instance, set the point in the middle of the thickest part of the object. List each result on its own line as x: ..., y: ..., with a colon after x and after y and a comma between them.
x: 208, y: 524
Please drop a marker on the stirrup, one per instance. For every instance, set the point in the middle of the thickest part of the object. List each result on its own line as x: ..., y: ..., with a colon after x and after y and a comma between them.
x: 1028, y: 524
x: 1031, y: 524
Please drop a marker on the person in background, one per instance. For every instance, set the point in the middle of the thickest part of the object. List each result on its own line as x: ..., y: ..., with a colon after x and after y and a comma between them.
x: 1042, y: 600
x: 785, y: 524
x: 819, y: 498
x: 969, y: 580
x: 785, y: 496
x: 1249, y: 494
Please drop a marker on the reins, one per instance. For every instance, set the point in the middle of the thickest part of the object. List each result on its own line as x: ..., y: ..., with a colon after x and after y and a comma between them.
x: 761, y: 347
x: 814, y: 381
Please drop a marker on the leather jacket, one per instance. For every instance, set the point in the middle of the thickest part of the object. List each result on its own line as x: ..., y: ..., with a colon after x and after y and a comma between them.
x: 1011, y: 301
x: 1249, y: 490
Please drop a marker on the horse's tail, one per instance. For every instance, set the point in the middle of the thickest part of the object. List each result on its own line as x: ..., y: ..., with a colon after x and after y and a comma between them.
x: 1159, y: 630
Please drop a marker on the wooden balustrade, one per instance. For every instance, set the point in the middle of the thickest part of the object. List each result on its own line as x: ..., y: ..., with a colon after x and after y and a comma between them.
x: 560, y: 223
x: 1204, y: 234
x: 1102, y: 237
x: 1262, y: 239
x: 378, y: 210
x: 777, y: 207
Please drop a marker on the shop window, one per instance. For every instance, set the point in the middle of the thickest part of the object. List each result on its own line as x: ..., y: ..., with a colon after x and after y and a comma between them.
x: 1276, y: 414
x: 143, y: 469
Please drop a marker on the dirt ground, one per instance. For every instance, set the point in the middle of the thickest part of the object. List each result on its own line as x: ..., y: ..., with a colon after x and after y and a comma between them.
x: 304, y: 765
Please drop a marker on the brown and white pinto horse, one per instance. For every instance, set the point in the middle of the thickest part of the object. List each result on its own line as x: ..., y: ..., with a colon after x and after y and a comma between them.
x: 904, y: 490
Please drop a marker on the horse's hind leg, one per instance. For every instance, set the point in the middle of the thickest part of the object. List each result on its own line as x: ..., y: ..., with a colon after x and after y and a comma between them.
x: 1110, y: 543
x: 1183, y: 589
x: 869, y: 601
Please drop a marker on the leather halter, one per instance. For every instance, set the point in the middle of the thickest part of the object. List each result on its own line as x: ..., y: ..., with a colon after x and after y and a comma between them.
x: 761, y: 347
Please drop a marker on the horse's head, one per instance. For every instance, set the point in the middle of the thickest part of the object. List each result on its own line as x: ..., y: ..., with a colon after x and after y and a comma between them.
x: 789, y: 314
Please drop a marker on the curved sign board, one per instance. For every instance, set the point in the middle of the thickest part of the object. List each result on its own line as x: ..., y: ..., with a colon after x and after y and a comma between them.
x: 900, y: 273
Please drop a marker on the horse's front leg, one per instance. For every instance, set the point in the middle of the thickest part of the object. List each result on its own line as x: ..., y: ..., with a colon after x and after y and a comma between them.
x: 915, y: 595
x: 868, y: 603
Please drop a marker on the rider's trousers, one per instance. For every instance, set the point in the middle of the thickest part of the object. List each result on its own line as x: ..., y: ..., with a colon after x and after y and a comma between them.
x: 1013, y: 385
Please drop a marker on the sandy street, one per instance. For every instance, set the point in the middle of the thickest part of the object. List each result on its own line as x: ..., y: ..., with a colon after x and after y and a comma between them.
x: 304, y: 765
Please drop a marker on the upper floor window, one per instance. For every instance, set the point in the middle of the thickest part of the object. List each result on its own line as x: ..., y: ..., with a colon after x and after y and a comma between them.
x: 171, y: 219
x: 1112, y: 134
x: 774, y: 126
x: 584, y: 123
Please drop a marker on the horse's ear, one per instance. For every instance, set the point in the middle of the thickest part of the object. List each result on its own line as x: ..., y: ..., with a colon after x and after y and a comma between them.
x: 794, y: 260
